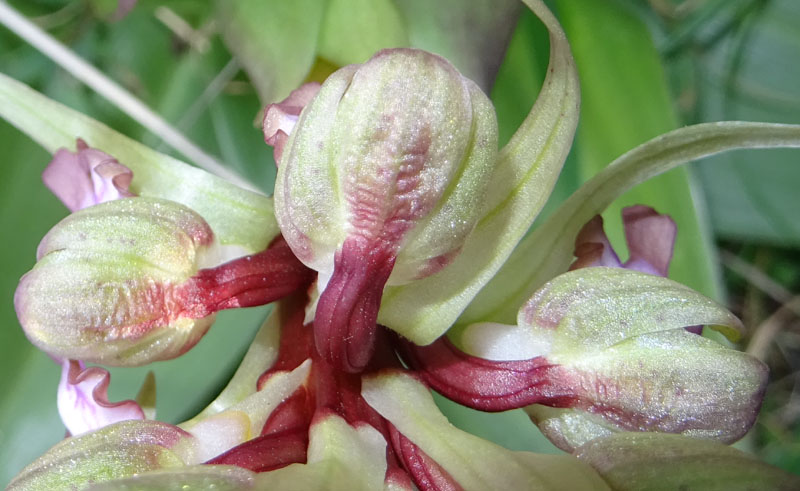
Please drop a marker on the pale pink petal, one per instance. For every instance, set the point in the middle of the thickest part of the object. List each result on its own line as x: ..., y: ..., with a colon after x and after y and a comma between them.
x: 651, y: 239
x: 592, y: 247
x: 280, y: 118
x: 83, y: 399
x: 86, y: 177
x: 124, y: 7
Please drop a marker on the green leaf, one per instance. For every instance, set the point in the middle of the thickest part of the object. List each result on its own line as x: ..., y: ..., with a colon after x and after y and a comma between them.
x: 525, y: 173
x: 354, y: 30
x: 746, y: 76
x: 473, y: 36
x: 275, y: 40
x: 636, y: 461
x: 625, y: 103
x: 547, y: 251
x: 238, y: 217
x: 473, y: 463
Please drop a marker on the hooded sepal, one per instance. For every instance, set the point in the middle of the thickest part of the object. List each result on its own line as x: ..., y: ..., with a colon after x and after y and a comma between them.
x: 607, y: 344
x: 116, y: 451
x: 635, y: 461
x: 380, y: 183
x: 105, y: 288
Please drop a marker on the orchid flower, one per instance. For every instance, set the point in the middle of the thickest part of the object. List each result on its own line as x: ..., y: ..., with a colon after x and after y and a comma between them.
x: 393, y: 212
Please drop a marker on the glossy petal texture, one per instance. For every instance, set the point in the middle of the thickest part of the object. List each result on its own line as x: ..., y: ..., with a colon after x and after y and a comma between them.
x: 608, y: 343
x: 380, y: 184
x: 216, y: 477
x: 523, y: 177
x: 280, y: 118
x: 473, y: 463
x: 119, y: 283
x: 104, y: 288
x: 116, y: 451
x: 86, y: 177
x: 635, y: 461
x: 83, y: 399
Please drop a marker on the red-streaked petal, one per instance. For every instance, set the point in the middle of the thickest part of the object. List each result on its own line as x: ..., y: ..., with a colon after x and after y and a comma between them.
x: 248, y: 281
x: 651, y: 239
x: 86, y: 177
x: 268, y: 452
x: 347, y: 312
x: 83, y: 399
x: 485, y: 384
x: 425, y: 472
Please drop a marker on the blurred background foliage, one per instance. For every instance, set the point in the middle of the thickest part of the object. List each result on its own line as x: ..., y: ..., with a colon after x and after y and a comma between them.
x: 646, y: 66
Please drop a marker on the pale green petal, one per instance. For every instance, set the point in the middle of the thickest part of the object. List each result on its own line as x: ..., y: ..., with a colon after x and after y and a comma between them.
x: 522, y: 180
x: 474, y: 463
x: 115, y: 451
x: 216, y: 477
x: 547, y: 251
x: 340, y: 458
x: 238, y: 217
x: 652, y: 461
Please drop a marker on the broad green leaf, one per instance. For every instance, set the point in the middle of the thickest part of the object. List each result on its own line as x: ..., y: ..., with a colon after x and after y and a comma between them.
x: 354, y: 30
x: 275, y: 40
x: 635, y: 461
x: 473, y: 463
x: 547, y: 251
x: 238, y: 217
x: 472, y: 35
x: 525, y: 173
x: 748, y: 75
x: 625, y: 103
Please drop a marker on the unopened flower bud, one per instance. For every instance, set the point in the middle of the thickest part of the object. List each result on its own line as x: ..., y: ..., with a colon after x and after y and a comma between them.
x: 380, y: 183
x: 106, y: 285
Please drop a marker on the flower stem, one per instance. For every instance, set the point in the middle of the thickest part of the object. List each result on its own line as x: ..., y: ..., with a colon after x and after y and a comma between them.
x: 113, y: 92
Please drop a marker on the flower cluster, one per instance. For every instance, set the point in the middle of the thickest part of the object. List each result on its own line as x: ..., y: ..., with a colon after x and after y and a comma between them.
x: 393, y: 210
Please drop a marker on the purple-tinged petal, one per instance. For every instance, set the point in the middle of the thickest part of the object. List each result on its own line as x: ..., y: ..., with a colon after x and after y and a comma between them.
x: 592, y: 247
x: 86, y: 177
x: 124, y: 7
x: 83, y: 399
x: 651, y: 239
x: 280, y: 118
